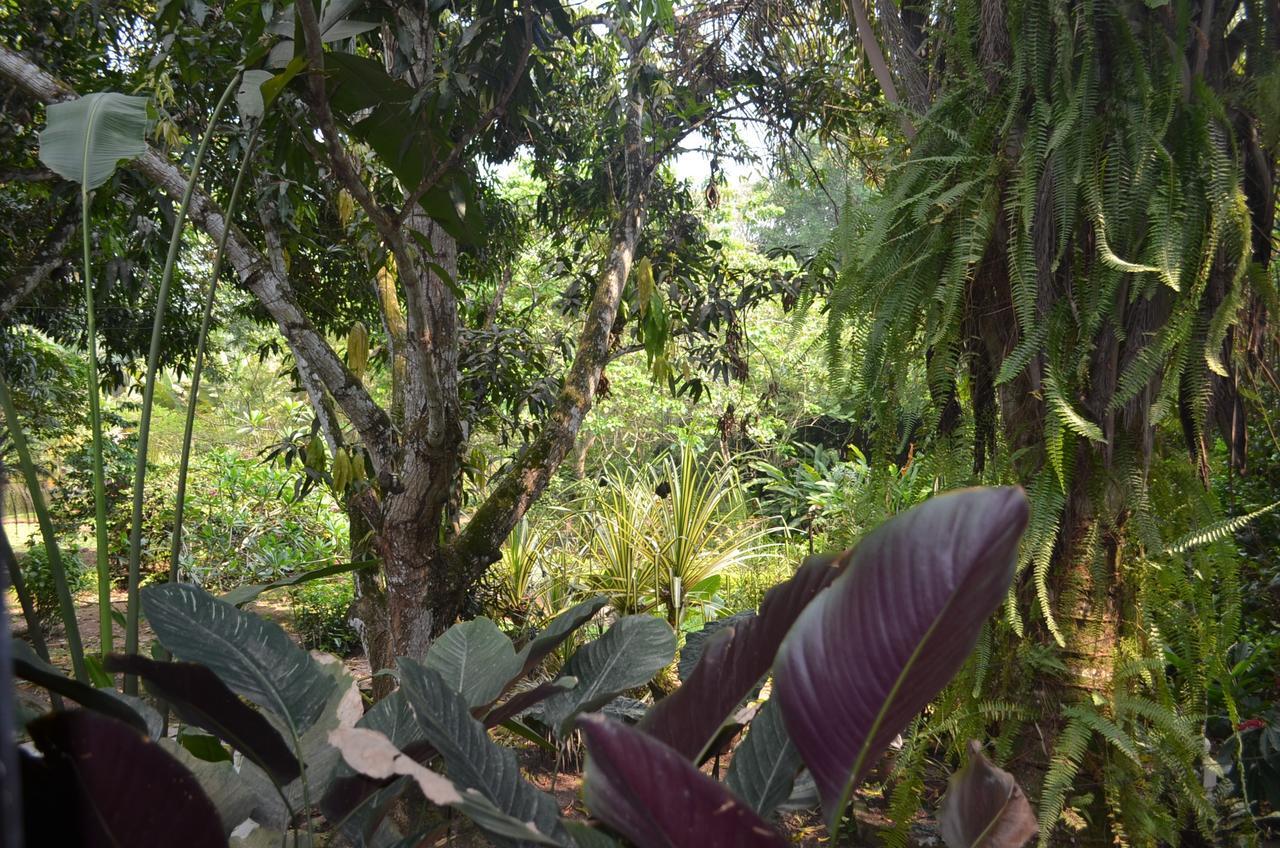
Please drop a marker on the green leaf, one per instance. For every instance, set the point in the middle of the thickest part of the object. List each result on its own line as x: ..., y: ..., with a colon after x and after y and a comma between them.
x: 237, y: 793
x: 253, y: 656
x: 271, y: 88
x: 87, y: 138
x: 629, y: 654
x: 473, y: 759
x: 242, y: 595
x: 558, y: 630
x: 475, y: 660
x: 765, y: 765
x: 249, y: 99
x: 202, y: 746
x: 370, y: 753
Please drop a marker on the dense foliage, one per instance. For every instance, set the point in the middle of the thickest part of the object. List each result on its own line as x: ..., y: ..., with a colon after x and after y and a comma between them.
x: 447, y: 406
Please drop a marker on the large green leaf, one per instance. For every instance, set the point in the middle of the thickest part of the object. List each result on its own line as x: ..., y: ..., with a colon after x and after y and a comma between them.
x: 86, y: 138
x: 253, y: 656
x: 874, y: 648
x: 475, y: 659
x: 473, y: 760
x: 764, y: 766
x: 237, y: 793
x: 629, y: 654
x: 560, y: 628
x: 370, y: 753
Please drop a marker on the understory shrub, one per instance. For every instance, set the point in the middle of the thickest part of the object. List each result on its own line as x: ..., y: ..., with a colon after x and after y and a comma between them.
x: 318, y: 611
x: 856, y: 646
x: 40, y: 583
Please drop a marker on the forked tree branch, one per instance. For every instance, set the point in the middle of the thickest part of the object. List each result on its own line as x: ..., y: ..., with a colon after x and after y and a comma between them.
x: 252, y: 267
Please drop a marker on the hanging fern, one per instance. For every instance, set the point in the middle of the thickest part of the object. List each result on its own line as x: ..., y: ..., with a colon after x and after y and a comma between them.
x: 1216, y: 532
x: 1074, y: 229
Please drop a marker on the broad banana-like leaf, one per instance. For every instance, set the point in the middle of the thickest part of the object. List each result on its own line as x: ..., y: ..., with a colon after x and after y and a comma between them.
x: 253, y: 656
x: 475, y: 659
x: 893, y: 629
x: 984, y: 807
x: 101, y: 782
x: 560, y: 628
x: 734, y: 661
x: 86, y: 138
x: 237, y: 793
x: 203, y: 700
x: 370, y: 753
x: 629, y: 654
x: 653, y: 795
x: 28, y: 666
x: 764, y: 766
x: 474, y: 760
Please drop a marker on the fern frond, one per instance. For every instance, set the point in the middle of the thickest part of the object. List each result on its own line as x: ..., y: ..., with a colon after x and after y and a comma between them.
x: 1216, y: 532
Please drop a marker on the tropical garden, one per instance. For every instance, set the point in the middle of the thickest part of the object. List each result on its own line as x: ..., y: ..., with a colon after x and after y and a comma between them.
x: 661, y: 423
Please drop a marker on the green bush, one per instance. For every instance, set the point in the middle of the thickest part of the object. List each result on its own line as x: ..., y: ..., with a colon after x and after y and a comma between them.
x: 319, y: 615
x: 39, y: 579
x: 241, y: 526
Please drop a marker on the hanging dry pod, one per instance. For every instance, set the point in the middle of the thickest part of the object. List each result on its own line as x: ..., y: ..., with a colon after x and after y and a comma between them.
x: 358, y: 349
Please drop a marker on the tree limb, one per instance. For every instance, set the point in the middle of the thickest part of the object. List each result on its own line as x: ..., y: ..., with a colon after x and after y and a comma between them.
x: 255, y: 272
x: 47, y: 260
x: 481, y: 539
x: 875, y: 56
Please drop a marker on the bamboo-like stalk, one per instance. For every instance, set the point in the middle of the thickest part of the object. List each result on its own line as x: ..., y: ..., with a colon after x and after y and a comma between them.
x: 66, y: 604
x: 103, y: 563
x: 149, y: 388
x: 198, y: 367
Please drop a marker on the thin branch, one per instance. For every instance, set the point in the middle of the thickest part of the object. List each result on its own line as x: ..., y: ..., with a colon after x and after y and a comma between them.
x: 498, y: 109
x: 47, y: 260
x: 875, y: 56
x: 254, y: 270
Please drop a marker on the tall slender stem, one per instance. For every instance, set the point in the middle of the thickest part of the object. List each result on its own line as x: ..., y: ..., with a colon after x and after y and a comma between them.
x: 66, y: 604
x: 105, y: 634
x: 198, y: 367
x: 149, y: 388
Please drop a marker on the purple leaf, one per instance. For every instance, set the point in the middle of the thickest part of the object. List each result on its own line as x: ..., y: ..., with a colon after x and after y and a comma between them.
x: 984, y: 807
x: 200, y: 698
x: 893, y: 629
x: 656, y: 798
x: 733, y: 662
x: 101, y: 782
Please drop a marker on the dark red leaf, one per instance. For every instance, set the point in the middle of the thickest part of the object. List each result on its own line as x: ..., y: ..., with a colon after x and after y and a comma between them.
x: 734, y: 661
x: 654, y: 796
x: 200, y: 698
x: 984, y: 807
x: 101, y: 783
x: 893, y: 629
